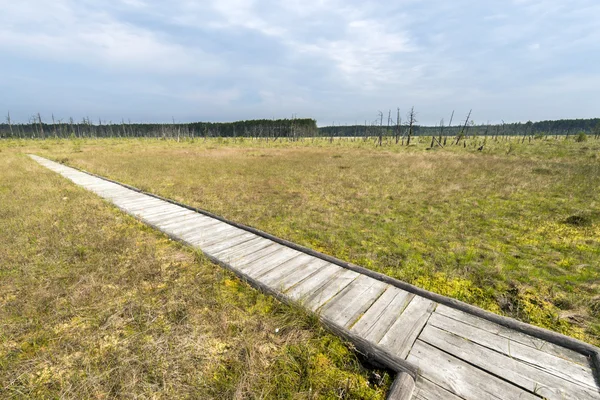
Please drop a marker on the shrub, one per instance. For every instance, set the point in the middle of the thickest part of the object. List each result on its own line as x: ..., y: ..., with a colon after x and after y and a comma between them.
x: 582, y: 137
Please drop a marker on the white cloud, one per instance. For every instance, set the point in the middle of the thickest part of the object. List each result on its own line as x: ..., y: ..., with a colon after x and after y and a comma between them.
x: 60, y: 30
x: 320, y: 56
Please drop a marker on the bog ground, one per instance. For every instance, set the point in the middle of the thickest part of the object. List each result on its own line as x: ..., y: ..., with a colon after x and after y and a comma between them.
x: 96, y: 305
x: 514, y: 228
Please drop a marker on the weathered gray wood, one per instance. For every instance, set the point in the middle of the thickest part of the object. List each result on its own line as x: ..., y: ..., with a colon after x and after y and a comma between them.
x: 154, y: 213
x: 313, y: 282
x: 214, y: 245
x: 273, y: 277
x: 427, y: 390
x: 402, y: 388
x: 301, y: 273
x: 158, y: 216
x: 177, y: 218
x: 136, y: 200
x: 138, y: 206
x: 259, y: 249
x: 265, y: 264
x: 378, y: 319
x: 513, y: 335
x: 211, y: 234
x: 180, y: 220
x: 521, y: 374
x: 460, y: 378
x: 545, y: 362
x: 191, y: 222
x: 347, y: 306
x: 403, y: 333
x: 234, y: 239
x: 325, y: 291
x: 188, y: 232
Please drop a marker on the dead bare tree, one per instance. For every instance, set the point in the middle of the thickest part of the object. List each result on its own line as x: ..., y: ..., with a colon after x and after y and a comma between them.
x: 463, y: 130
x: 9, y: 122
x: 39, y: 117
x: 411, y: 122
x: 380, y: 126
x: 398, y: 125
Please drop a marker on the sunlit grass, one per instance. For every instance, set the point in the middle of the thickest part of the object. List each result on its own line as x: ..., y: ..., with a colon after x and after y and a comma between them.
x: 96, y: 305
x: 497, y: 228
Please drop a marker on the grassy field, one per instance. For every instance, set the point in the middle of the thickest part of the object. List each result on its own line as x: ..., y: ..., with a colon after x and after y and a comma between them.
x: 514, y: 229
x: 95, y: 305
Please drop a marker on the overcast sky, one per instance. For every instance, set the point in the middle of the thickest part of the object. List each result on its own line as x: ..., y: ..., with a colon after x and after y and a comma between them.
x: 335, y: 61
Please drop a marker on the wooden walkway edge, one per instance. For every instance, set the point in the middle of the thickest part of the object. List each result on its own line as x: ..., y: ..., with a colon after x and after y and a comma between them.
x: 440, y: 347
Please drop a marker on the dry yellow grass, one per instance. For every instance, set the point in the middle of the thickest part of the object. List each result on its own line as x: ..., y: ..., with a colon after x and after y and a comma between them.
x: 96, y: 305
x: 514, y: 229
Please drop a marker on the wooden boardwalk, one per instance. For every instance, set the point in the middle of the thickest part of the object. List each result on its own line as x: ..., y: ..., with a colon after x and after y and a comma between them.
x: 451, y: 354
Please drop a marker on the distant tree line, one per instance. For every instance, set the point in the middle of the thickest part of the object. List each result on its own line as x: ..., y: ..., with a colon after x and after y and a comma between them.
x: 265, y: 128
x: 396, y: 127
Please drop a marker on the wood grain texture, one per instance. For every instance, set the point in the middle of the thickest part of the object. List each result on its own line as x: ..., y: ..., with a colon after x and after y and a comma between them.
x: 248, y: 252
x: 328, y: 289
x: 301, y: 273
x: 548, y: 363
x: 347, y: 306
x: 460, y: 378
x: 379, y: 318
x: 402, y: 388
x: 514, y: 335
x: 405, y: 330
x: 313, y: 282
x: 265, y: 264
x: 522, y: 374
x: 427, y: 390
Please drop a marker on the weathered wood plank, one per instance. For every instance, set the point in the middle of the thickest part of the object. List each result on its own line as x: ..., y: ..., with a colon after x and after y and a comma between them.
x: 135, y: 204
x: 301, y: 273
x: 313, y: 282
x: 510, y: 369
x: 149, y: 213
x: 427, y: 390
x: 402, y: 388
x: 214, y: 232
x: 347, y: 306
x: 514, y: 335
x: 460, y: 378
x: 234, y: 239
x: 403, y: 333
x: 272, y: 278
x: 191, y: 222
x: 138, y: 208
x: 177, y: 218
x: 260, y: 249
x: 170, y: 216
x: 188, y: 232
x: 236, y: 254
x: 378, y: 319
x: 164, y: 214
x: 265, y: 264
x: 545, y: 362
x: 328, y: 289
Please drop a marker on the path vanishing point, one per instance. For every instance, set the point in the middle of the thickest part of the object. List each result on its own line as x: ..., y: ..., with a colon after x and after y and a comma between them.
x: 440, y: 348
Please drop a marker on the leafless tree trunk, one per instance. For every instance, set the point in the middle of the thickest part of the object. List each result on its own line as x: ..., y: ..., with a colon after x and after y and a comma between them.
x: 9, y: 122
x: 41, y: 126
x: 462, y: 131
x: 411, y: 122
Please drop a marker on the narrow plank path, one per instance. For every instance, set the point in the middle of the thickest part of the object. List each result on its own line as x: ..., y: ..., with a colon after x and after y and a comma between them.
x: 450, y: 354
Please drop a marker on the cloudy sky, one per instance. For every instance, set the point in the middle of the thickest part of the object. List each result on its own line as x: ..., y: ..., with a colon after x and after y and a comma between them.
x: 335, y: 61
